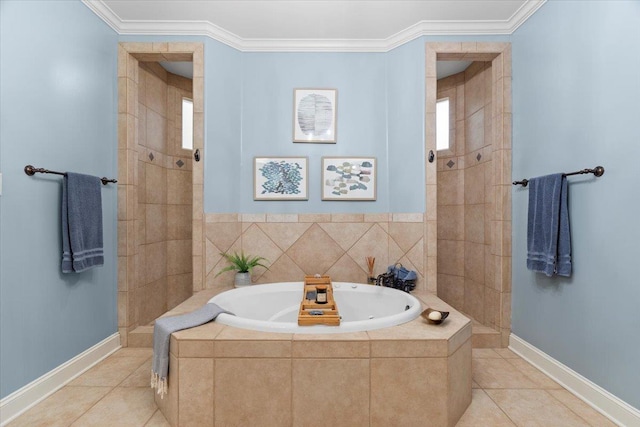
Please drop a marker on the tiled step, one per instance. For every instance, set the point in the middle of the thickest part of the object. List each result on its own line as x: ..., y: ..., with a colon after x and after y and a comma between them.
x: 484, y: 336
x: 142, y: 336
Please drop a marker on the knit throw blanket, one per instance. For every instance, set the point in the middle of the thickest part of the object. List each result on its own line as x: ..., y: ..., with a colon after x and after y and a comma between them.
x: 162, y: 331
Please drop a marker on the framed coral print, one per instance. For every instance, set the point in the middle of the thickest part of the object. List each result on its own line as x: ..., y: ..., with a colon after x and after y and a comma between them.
x: 314, y: 115
x: 349, y: 178
x: 280, y: 178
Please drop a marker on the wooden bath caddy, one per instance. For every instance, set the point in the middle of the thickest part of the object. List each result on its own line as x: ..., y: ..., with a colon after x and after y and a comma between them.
x: 330, y: 315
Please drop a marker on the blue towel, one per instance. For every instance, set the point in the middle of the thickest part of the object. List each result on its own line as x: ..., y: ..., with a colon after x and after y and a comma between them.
x: 548, y: 232
x: 81, y: 223
x: 162, y: 330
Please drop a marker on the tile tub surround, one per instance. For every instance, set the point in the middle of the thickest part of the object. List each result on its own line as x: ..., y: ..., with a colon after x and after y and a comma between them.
x: 299, y: 244
x: 220, y: 375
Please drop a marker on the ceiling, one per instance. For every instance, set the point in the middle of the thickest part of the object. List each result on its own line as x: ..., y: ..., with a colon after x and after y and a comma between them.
x: 314, y: 25
x: 443, y: 68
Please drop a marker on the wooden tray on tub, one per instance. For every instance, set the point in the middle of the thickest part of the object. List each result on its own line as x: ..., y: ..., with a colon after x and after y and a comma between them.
x: 313, y: 313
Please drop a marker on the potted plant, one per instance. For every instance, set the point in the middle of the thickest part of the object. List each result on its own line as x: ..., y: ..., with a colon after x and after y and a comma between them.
x: 242, y: 264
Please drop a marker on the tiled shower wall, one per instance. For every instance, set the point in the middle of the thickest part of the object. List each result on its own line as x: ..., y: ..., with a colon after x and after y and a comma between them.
x: 163, y: 214
x: 135, y: 186
x: 303, y: 244
x: 466, y: 197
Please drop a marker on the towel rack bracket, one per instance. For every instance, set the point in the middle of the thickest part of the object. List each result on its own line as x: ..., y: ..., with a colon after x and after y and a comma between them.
x: 29, y: 170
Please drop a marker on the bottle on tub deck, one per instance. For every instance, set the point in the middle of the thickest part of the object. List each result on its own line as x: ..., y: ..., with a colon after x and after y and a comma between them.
x: 321, y: 294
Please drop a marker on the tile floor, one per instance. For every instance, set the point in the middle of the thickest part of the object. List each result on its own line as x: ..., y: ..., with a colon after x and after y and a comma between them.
x: 507, y: 391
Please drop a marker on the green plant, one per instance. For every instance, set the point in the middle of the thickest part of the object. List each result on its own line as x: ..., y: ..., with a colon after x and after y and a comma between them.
x: 241, y: 263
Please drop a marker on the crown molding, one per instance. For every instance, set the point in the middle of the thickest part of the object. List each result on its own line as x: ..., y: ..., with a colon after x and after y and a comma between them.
x: 205, y: 28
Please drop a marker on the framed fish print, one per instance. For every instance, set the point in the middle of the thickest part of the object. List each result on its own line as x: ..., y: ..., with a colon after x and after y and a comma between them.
x: 349, y: 178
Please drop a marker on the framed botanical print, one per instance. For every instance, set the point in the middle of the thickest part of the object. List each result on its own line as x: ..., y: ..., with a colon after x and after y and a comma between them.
x: 280, y: 178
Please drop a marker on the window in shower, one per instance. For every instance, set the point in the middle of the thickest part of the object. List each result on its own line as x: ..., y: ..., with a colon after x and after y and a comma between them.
x: 442, y: 124
x: 187, y: 124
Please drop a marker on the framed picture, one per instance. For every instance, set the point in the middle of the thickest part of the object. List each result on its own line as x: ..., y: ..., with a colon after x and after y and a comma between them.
x: 280, y: 178
x: 314, y: 115
x: 349, y: 178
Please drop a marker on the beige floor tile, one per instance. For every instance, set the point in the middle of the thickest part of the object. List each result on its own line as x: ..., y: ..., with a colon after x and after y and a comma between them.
x: 499, y: 373
x: 61, y: 408
x: 158, y: 420
x: 484, y: 353
x: 535, y: 375
x: 109, y: 372
x: 586, y: 412
x: 533, y: 408
x: 506, y: 353
x: 483, y: 412
x: 474, y: 385
x: 141, y: 377
x: 125, y: 406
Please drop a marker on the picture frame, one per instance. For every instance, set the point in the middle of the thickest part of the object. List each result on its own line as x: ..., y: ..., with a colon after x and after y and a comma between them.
x: 281, y: 178
x: 315, y: 115
x: 349, y: 178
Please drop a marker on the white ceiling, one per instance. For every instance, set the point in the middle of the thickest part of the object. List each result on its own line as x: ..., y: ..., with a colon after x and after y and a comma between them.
x: 314, y: 25
x: 443, y: 68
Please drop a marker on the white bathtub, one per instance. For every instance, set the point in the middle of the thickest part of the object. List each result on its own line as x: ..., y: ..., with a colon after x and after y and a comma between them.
x: 274, y: 308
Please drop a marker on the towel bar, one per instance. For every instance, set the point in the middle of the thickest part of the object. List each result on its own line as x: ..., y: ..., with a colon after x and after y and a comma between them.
x: 30, y: 170
x: 597, y: 171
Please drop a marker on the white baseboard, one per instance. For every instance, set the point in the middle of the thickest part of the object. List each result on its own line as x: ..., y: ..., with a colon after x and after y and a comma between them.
x: 595, y: 396
x: 31, y: 394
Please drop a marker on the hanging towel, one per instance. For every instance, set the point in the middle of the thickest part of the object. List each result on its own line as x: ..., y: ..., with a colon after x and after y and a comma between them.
x: 548, y: 232
x: 162, y: 331
x: 81, y: 223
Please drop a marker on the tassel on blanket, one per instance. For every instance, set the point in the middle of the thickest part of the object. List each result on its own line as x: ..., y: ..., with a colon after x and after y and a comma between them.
x: 159, y: 384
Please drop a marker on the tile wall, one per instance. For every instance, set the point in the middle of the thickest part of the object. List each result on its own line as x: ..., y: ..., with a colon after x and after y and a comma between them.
x: 163, y: 220
x: 299, y: 244
x: 159, y: 188
x: 465, y: 196
x: 474, y: 184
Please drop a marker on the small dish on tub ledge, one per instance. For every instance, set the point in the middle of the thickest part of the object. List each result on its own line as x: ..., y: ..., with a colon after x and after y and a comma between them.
x: 434, y: 316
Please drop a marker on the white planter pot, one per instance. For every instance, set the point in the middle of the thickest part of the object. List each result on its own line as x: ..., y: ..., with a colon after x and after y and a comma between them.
x: 242, y: 279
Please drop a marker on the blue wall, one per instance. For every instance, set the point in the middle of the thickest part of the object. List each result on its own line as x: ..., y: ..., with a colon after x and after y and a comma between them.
x: 380, y: 113
x: 267, y: 121
x: 576, y: 104
x: 405, y: 112
x: 59, y: 103
x: 223, y: 117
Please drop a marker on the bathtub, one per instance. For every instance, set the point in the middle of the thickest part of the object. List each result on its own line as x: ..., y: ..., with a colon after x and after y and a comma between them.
x: 274, y: 308
x: 360, y: 378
